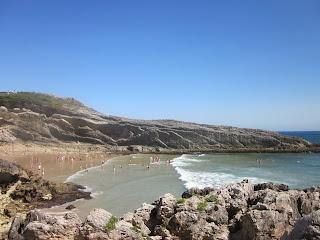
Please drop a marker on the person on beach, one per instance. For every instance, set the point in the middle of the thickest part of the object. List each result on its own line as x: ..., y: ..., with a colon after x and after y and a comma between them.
x: 148, y: 167
x: 130, y: 162
x: 42, y: 172
x: 102, y: 163
x: 114, y: 168
x: 39, y: 168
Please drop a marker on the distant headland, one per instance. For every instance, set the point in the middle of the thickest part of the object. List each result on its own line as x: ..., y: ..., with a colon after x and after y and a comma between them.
x: 44, y: 119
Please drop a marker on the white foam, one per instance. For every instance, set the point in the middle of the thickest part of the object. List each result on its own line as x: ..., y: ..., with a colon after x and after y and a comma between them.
x: 185, y: 160
x: 209, y: 179
x: 87, y: 189
x: 75, y: 176
x: 96, y: 194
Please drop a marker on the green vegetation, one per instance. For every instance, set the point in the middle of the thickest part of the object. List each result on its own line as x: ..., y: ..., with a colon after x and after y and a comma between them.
x: 202, y: 206
x: 50, y: 101
x: 111, y: 224
x: 196, y: 195
x: 213, y: 198
x: 134, y: 228
x: 181, y: 200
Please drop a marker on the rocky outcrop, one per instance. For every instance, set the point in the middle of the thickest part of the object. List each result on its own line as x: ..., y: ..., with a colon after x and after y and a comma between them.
x: 237, y: 211
x: 25, y: 186
x: 47, y: 118
x: 21, y: 191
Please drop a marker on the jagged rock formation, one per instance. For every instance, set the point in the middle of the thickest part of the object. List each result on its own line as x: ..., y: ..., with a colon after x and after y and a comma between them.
x: 237, y: 211
x: 47, y: 118
x: 21, y: 190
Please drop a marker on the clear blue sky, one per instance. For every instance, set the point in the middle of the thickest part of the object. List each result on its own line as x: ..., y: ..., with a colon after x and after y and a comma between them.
x: 253, y: 64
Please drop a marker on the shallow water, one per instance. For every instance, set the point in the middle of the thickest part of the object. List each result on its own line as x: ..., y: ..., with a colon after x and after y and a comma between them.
x: 126, y: 189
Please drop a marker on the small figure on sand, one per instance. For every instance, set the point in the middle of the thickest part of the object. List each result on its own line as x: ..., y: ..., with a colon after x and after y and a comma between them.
x: 102, y: 163
x: 148, y: 167
x: 114, y: 168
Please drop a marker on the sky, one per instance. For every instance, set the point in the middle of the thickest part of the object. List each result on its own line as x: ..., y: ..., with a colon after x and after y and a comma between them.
x: 252, y: 64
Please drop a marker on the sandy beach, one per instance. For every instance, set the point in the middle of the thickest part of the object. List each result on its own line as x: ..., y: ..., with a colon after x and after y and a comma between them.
x: 57, y: 163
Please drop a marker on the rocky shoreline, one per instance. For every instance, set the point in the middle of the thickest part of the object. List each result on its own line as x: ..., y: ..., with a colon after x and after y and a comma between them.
x: 22, y: 191
x: 236, y: 211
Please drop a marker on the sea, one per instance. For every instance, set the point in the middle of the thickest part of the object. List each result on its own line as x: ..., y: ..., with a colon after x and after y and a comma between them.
x: 125, y: 182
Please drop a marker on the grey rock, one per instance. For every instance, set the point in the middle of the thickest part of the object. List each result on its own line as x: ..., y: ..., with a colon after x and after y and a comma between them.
x: 307, y: 227
x: 242, y: 211
x: 68, y: 120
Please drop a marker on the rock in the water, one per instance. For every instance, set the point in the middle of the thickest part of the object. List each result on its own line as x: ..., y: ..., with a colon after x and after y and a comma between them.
x: 70, y: 207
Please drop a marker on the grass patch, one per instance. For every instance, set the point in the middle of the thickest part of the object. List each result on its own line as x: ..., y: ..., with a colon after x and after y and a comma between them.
x: 134, y: 228
x: 111, y: 224
x: 202, y: 206
x: 14, y: 99
x: 213, y: 198
x: 196, y: 195
x: 181, y: 200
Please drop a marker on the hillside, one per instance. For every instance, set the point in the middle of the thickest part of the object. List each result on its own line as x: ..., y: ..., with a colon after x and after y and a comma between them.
x: 45, y: 118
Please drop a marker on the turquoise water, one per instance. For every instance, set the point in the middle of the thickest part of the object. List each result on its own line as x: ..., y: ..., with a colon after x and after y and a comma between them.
x: 126, y: 188
x: 300, y: 170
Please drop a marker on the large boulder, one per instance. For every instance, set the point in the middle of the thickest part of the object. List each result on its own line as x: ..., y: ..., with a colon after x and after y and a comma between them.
x: 307, y: 227
x: 38, y: 225
x: 11, y: 172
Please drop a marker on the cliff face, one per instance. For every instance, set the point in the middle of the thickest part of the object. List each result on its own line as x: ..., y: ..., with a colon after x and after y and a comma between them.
x: 47, y: 118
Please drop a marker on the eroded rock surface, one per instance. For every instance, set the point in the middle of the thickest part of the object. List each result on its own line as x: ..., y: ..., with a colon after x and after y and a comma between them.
x: 21, y: 191
x: 47, y: 118
x: 236, y: 211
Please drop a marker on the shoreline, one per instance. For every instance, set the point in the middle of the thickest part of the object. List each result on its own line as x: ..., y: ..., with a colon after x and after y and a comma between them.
x: 55, y: 171
x: 82, y: 148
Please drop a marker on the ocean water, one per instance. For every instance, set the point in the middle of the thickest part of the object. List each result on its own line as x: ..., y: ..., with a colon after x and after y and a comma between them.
x: 311, y: 136
x: 298, y: 170
x: 126, y: 188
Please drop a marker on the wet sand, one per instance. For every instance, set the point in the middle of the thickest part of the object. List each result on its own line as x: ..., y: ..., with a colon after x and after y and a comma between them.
x: 58, y: 164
